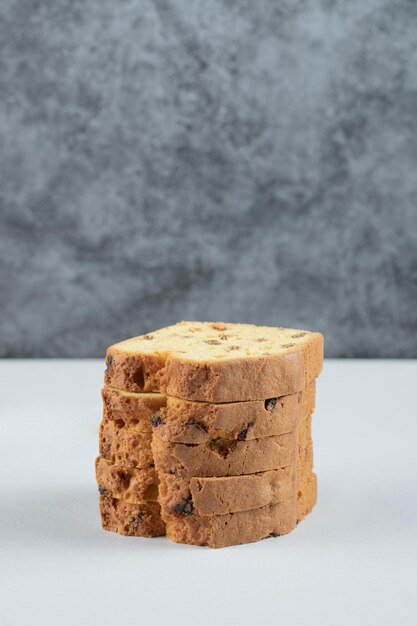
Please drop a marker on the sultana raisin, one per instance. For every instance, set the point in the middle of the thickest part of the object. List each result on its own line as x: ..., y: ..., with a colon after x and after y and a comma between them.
x: 270, y: 403
x: 157, y: 420
x: 243, y: 433
x: 184, y: 508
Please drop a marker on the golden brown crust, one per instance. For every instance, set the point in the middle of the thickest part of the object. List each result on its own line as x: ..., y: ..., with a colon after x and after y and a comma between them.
x: 133, y: 372
x: 248, y: 379
x: 223, y: 380
x: 183, y: 421
x: 127, y: 447
x: 221, y: 495
x: 306, y: 480
x: 129, y: 416
x: 126, y: 429
x: 306, y: 496
x: 119, y: 406
x: 217, y: 458
x: 126, y: 483
x: 219, y: 531
x: 138, y: 520
x: 305, y: 445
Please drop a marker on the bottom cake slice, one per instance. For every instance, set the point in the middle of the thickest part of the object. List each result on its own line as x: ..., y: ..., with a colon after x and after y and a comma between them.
x: 219, y: 531
x: 137, y: 520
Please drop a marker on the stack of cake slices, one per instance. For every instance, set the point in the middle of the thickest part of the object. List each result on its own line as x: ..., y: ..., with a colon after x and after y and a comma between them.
x: 206, y: 433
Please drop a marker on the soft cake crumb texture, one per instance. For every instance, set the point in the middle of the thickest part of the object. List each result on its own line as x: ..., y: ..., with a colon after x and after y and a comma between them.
x: 216, y: 340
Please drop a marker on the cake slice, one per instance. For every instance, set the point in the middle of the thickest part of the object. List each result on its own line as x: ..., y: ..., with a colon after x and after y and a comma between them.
x: 226, y: 494
x: 219, y: 531
x: 130, y: 409
x: 222, y: 457
x: 217, y: 362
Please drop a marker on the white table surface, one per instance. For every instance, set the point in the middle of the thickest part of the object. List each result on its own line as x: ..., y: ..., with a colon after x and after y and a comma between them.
x: 352, y: 561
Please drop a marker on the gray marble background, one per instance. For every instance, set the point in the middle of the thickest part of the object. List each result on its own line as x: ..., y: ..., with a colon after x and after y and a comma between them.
x: 222, y: 160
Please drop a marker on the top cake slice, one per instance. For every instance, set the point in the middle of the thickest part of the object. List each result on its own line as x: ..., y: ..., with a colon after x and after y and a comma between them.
x: 216, y: 362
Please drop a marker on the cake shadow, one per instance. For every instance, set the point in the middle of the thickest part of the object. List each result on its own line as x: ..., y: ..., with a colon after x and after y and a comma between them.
x: 62, y: 519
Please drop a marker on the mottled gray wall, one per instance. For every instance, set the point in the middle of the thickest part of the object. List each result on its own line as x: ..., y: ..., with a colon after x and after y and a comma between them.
x: 233, y: 160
